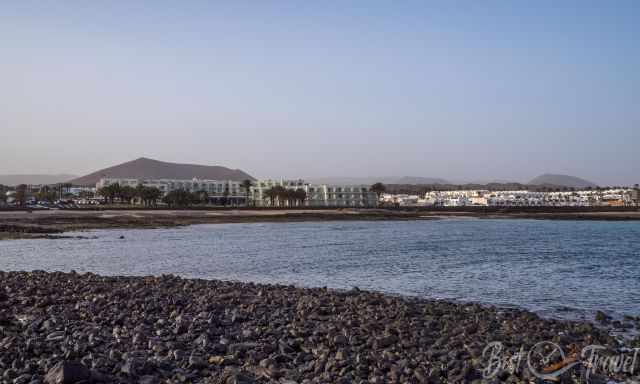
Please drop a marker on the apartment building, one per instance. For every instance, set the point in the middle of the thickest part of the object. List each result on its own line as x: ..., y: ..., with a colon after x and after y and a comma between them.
x: 233, y: 193
x: 218, y: 190
x: 317, y: 195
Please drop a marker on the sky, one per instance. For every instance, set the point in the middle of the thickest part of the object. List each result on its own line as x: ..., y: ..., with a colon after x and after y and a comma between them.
x: 463, y: 90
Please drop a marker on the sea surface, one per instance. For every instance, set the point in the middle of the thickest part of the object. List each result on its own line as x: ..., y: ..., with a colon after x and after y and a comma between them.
x: 563, y: 269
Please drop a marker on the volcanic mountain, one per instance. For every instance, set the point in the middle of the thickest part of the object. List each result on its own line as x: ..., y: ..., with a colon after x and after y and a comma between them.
x: 562, y: 181
x: 144, y: 168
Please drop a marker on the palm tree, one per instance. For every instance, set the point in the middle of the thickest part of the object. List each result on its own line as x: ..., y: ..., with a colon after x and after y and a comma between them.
x: 148, y: 195
x: 140, y: 191
x: 202, y: 196
x: 281, y: 194
x: 110, y: 192
x: 180, y: 198
x: 21, y: 194
x: 45, y: 194
x: 246, y: 185
x: 378, y: 188
x: 272, y: 195
x: 126, y: 194
x: 151, y: 195
x: 291, y: 197
x: 225, y: 195
x: 301, y: 196
x: 3, y: 193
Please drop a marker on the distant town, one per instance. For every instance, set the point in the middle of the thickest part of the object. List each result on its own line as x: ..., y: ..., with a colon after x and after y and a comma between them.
x: 298, y: 193
x: 190, y: 185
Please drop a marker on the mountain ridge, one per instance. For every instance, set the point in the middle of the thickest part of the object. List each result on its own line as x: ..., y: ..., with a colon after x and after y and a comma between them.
x: 146, y: 168
x: 34, y: 179
x: 561, y: 180
x: 370, y: 180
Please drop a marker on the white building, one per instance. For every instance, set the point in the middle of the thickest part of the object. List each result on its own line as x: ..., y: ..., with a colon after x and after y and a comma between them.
x: 218, y: 190
x: 317, y: 195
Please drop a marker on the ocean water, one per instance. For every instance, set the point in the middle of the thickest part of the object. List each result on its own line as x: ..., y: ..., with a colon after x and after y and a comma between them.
x: 563, y: 269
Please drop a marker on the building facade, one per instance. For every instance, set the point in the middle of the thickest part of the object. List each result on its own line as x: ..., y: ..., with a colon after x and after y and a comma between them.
x: 233, y: 193
x: 218, y: 191
x: 317, y: 195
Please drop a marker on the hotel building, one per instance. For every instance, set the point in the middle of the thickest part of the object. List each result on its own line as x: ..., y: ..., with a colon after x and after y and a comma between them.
x: 217, y: 190
x: 320, y: 195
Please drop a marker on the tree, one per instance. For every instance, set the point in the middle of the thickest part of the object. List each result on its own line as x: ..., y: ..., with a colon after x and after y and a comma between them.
x: 271, y: 194
x: 126, y: 194
x: 291, y: 197
x: 378, y: 188
x: 225, y: 195
x: 21, y: 195
x: 46, y: 193
x: 86, y: 194
x: 180, y: 198
x: 301, y: 196
x: 246, y: 185
x: 202, y: 197
x: 66, y: 187
x: 151, y: 195
x: 3, y: 193
x: 148, y: 195
x: 110, y: 192
x: 140, y: 192
x: 281, y: 194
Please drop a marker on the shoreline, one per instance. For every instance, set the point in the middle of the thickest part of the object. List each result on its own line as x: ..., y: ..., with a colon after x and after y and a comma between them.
x: 168, y: 329
x: 53, y: 223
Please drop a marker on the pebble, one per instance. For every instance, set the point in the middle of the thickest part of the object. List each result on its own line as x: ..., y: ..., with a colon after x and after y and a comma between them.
x: 165, y: 329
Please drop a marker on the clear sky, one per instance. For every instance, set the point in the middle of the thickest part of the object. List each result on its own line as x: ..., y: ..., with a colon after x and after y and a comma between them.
x: 464, y: 90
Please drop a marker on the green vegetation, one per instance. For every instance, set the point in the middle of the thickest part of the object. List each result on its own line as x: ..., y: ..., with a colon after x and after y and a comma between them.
x: 3, y: 193
x: 281, y: 197
x: 378, y: 188
x: 148, y: 196
x: 21, y: 194
x: 181, y: 198
x: 246, y: 185
x: 46, y: 193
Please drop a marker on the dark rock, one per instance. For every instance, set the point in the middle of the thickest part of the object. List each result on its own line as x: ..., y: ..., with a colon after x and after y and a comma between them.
x: 602, y: 317
x: 239, y: 378
x: 148, y: 379
x: 168, y: 329
x: 67, y: 372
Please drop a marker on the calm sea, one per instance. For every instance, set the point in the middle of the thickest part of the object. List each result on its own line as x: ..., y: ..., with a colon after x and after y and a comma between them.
x: 565, y: 269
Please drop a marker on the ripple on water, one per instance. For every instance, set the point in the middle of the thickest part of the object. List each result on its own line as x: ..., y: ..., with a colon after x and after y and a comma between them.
x: 563, y: 269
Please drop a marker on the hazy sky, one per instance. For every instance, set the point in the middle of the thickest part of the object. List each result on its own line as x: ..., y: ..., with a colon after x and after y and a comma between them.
x: 470, y: 90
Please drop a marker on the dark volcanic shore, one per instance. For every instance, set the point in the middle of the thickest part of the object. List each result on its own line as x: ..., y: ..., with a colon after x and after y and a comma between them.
x: 46, y: 224
x: 68, y: 327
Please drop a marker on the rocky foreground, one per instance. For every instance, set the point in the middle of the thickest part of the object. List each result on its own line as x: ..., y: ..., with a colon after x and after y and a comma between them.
x: 68, y: 327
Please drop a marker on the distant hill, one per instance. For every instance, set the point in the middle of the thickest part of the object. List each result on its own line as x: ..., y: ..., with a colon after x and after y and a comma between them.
x: 562, y: 181
x: 419, y: 180
x: 14, y: 180
x: 371, y: 180
x: 153, y: 169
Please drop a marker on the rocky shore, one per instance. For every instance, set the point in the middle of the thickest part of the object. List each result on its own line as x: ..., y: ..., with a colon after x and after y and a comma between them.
x: 69, y: 327
x: 47, y: 223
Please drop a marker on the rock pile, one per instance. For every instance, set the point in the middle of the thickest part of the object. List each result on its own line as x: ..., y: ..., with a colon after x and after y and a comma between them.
x: 71, y: 328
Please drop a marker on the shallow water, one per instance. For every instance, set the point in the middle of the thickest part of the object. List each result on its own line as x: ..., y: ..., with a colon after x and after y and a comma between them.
x: 564, y: 269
